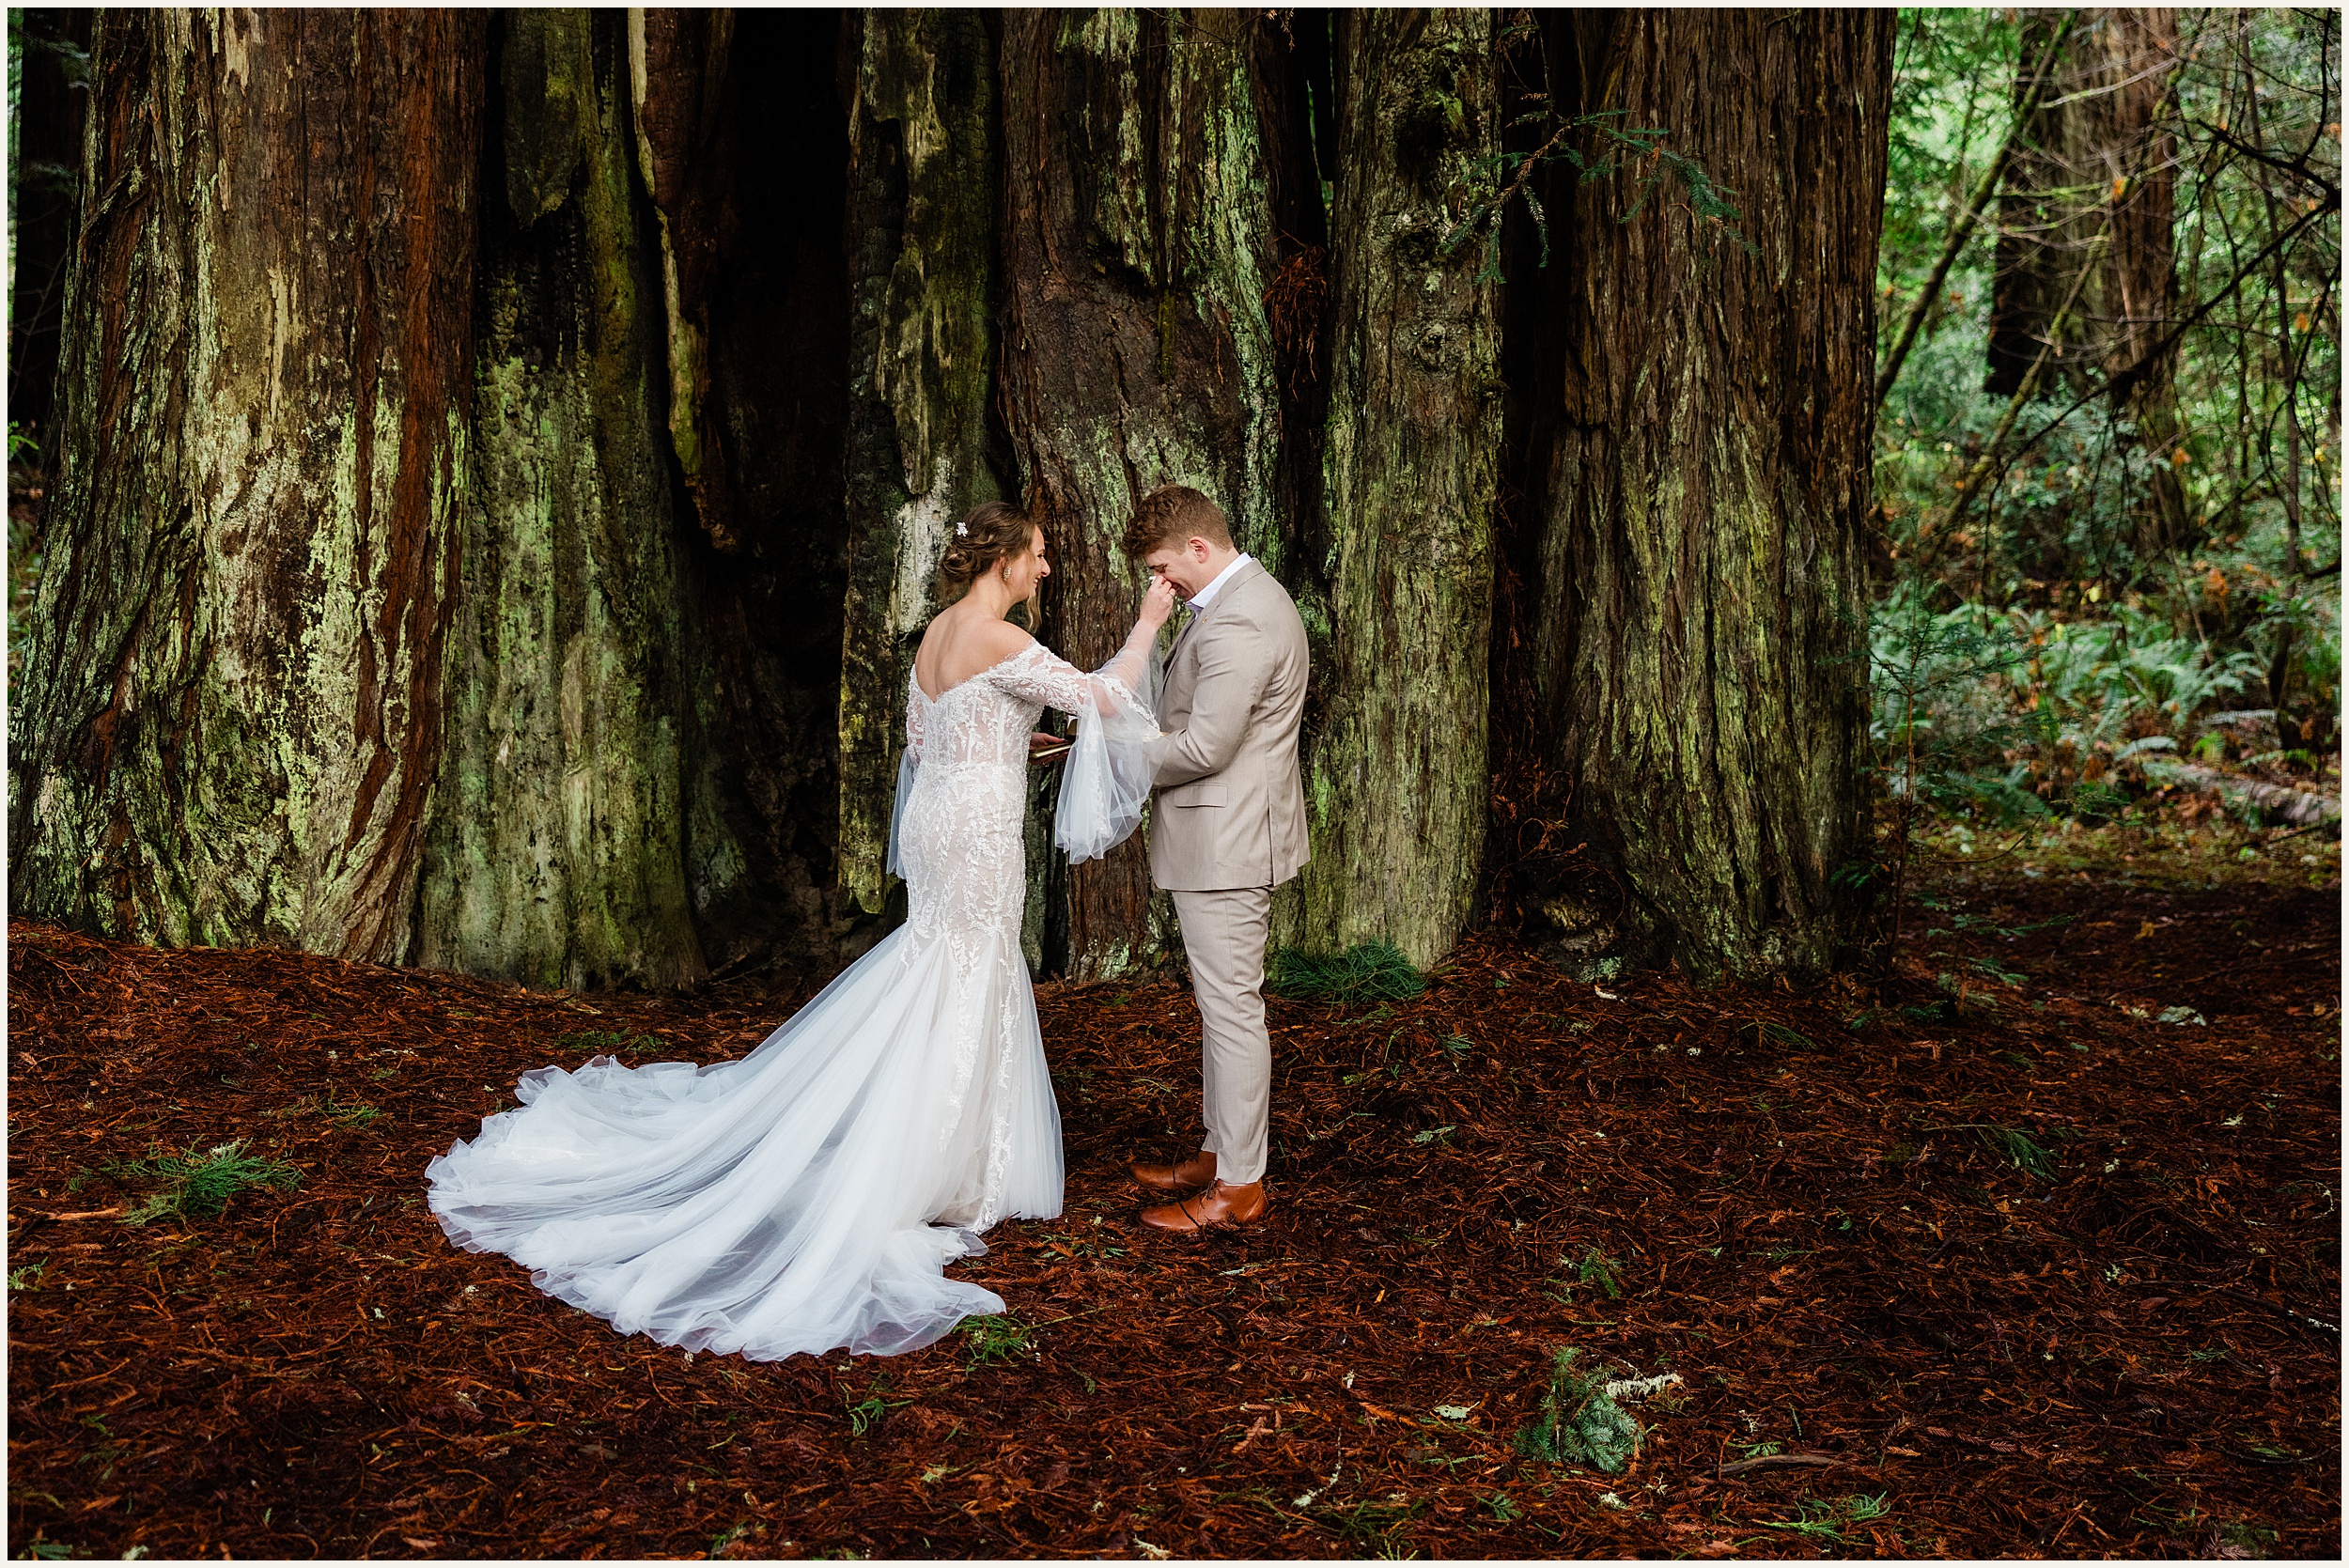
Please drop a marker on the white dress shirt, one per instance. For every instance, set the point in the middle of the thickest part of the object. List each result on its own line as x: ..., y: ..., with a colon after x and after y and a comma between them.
x: 1206, y: 594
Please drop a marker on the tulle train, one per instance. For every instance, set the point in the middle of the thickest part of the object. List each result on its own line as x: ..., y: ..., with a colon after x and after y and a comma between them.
x: 782, y: 1203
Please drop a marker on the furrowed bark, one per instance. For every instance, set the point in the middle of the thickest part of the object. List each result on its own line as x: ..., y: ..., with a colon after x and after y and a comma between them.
x: 232, y: 718
x: 1396, y: 775
x: 923, y: 180
x: 1143, y: 152
x: 558, y: 851
x: 1694, y: 468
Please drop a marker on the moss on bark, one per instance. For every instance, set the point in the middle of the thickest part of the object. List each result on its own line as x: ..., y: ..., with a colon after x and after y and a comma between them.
x: 1395, y: 774
x: 1141, y: 151
x: 230, y: 721
x: 557, y: 856
x: 923, y: 178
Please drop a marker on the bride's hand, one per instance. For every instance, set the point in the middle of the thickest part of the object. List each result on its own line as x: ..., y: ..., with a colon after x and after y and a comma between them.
x: 1157, y: 605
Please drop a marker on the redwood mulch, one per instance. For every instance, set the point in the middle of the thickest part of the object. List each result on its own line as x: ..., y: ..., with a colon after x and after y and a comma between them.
x: 1817, y: 1226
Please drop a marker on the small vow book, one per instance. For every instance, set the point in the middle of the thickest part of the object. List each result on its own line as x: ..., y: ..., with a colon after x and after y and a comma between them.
x: 1046, y: 754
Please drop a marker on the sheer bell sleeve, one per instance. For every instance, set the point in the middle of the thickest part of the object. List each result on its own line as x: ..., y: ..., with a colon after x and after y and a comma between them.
x: 907, y: 765
x: 1106, y: 781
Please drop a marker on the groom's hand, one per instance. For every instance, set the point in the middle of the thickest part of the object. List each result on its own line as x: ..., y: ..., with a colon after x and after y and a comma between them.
x: 1045, y: 750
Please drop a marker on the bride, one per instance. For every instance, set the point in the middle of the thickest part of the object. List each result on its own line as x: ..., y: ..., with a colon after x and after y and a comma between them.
x: 809, y: 1195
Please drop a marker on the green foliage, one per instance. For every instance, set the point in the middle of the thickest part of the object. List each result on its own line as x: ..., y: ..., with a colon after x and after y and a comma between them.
x: 2011, y: 714
x: 1369, y: 972
x: 1823, y: 1520
x: 198, y: 1182
x: 1596, y: 1269
x: 1580, y: 1423
x: 868, y: 1412
x: 1374, y: 1524
x: 997, y: 1341
x: 2129, y: 567
x: 613, y: 1042
x: 1596, y: 147
x: 345, y: 1113
x: 2019, y: 1149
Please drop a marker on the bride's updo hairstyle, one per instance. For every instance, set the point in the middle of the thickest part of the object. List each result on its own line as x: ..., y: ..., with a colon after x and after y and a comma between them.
x: 988, y: 535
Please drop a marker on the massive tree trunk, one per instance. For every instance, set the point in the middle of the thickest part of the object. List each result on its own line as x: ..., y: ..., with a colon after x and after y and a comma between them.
x: 1396, y: 779
x: 1142, y: 157
x: 230, y: 724
x: 401, y: 604
x: 923, y: 178
x: 557, y: 850
x: 505, y: 462
x: 1690, y: 456
x: 2093, y: 190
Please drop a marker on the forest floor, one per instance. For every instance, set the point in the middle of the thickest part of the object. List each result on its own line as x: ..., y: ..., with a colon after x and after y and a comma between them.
x: 1892, y: 1335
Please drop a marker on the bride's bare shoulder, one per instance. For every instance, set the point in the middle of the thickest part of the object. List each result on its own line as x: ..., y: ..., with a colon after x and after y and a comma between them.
x: 1001, y: 640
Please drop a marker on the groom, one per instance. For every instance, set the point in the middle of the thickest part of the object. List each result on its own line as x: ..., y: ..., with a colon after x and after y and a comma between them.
x: 1228, y: 827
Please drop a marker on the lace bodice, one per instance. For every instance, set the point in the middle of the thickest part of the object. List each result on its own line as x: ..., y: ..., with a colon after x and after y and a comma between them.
x: 964, y: 788
x: 988, y: 718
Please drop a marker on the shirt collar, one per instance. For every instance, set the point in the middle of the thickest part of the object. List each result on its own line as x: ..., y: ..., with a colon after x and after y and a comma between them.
x: 1206, y: 594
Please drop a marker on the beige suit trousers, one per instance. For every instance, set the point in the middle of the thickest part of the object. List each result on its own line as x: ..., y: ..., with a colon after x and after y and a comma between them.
x: 1224, y: 937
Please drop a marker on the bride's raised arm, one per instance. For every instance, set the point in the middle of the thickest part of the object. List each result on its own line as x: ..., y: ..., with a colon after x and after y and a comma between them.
x: 1107, y: 780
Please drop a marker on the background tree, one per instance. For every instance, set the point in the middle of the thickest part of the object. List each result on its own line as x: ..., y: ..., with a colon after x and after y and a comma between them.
x: 2085, y: 277
x: 234, y: 724
x: 1144, y: 153
x: 1396, y: 767
x: 1692, y: 403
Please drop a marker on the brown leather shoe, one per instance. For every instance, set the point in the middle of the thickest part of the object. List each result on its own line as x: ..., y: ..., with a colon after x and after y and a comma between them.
x: 1220, y: 1206
x: 1178, y: 1181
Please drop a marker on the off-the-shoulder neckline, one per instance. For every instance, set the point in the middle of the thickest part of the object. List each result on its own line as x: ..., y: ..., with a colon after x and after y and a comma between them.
x: 914, y: 678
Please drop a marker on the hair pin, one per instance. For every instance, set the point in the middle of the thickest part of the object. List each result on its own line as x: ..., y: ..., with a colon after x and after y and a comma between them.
x: 962, y: 528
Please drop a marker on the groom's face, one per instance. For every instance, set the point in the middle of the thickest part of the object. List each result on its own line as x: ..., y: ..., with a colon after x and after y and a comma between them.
x: 1190, y: 564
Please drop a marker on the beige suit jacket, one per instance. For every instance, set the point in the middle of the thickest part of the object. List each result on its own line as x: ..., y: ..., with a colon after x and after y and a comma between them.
x: 1229, y: 806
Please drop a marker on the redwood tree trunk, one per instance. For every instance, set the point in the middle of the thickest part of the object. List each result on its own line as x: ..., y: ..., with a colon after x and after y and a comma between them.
x: 231, y: 719
x: 1691, y: 458
x: 1142, y: 157
x: 1396, y: 775
x: 2094, y: 189
x: 557, y: 849
x: 923, y: 176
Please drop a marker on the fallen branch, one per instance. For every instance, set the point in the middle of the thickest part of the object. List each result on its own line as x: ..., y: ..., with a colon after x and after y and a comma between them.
x: 1772, y: 1461
x: 2301, y: 807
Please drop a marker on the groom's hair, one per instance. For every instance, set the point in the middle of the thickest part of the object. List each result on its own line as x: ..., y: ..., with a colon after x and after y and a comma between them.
x: 1170, y: 515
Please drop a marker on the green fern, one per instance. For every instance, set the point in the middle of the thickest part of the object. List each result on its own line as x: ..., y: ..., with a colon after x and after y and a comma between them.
x: 198, y: 1182
x: 1370, y: 972
x: 1580, y: 1423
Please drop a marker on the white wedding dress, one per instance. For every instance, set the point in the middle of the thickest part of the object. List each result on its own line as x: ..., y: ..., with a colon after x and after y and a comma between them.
x: 809, y: 1195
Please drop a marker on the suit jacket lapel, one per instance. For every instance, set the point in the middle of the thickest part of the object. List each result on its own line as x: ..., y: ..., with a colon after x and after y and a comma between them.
x: 1197, y: 615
